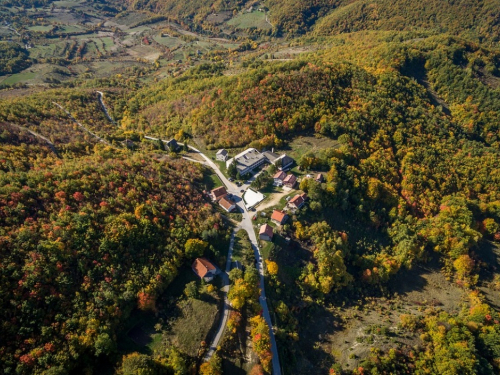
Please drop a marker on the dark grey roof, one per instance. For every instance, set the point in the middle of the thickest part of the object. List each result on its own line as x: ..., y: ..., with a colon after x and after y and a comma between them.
x: 249, y: 158
x: 271, y: 156
x: 172, y: 144
x: 222, y: 152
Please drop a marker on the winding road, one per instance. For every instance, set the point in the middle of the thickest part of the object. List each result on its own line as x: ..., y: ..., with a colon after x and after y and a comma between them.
x: 104, y: 108
x: 246, y: 224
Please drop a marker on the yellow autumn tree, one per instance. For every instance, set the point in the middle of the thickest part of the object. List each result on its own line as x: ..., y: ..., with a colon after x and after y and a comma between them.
x: 272, y: 267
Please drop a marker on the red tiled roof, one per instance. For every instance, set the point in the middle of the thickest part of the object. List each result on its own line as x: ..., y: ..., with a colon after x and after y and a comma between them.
x: 226, y: 203
x: 278, y: 216
x: 281, y: 175
x: 219, y: 192
x: 290, y: 179
x: 266, y: 229
x: 201, y: 266
x: 297, y: 200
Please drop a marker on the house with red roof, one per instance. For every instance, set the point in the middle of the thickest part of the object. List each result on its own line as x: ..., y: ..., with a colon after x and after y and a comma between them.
x: 204, y: 269
x: 218, y: 193
x: 279, y: 217
x: 227, y: 204
x: 266, y: 232
x: 298, y: 201
x: 278, y: 178
x: 290, y: 181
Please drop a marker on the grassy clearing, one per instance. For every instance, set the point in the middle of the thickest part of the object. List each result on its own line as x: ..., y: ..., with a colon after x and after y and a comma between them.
x: 192, y: 328
x: 51, y: 50
x: 19, y: 77
x: 247, y: 20
x: 108, y: 43
x: 304, y: 144
x: 178, y: 320
x: 211, y: 180
x: 40, y: 28
x: 168, y: 41
x: 242, y: 249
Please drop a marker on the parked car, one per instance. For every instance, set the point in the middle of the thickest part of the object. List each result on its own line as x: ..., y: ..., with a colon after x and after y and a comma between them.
x: 231, y: 179
x: 242, y: 190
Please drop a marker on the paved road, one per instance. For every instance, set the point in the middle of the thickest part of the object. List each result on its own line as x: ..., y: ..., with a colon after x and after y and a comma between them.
x: 246, y: 224
x: 227, y: 307
x: 104, y: 108
x: 51, y: 145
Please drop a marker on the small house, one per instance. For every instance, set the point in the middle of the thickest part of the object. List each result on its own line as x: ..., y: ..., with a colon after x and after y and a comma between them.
x: 204, y: 269
x: 319, y: 178
x: 279, y: 217
x: 222, y: 155
x: 227, y: 204
x: 278, y: 178
x: 172, y: 145
x: 266, y: 233
x: 218, y: 193
x: 297, y: 201
x: 290, y: 181
x: 286, y: 162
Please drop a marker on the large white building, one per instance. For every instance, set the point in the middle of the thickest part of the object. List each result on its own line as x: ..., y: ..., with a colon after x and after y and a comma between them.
x: 250, y: 159
x: 247, y: 160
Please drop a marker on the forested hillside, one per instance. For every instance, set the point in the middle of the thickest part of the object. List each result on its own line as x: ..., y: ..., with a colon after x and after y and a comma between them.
x: 83, y: 243
x: 477, y: 20
x: 390, y: 265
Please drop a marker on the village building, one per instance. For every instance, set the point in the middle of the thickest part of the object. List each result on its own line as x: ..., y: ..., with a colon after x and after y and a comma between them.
x: 204, y: 269
x: 247, y: 160
x: 218, y: 193
x: 282, y: 162
x: 266, y: 233
x: 319, y: 178
x: 278, y: 178
x: 279, y: 217
x: 298, y: 201
x: 227, y: 204
x: 290, y: 181
x: 251, y: 158
x: 222, y: 155
x: 172, y: 145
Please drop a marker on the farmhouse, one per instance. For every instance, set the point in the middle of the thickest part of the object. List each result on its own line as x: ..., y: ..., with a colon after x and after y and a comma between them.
x: 204, y: 269
x: 297, y: 201
x: 218, y: 193
x: 279, y: 217
x: 222, y: 155
x: 278, y: 178
x: 266, y: 232
x: 290, y: 181
x: 227, y: 204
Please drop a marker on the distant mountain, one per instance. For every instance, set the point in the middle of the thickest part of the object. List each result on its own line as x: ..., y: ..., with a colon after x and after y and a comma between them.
x: 479, y: 20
